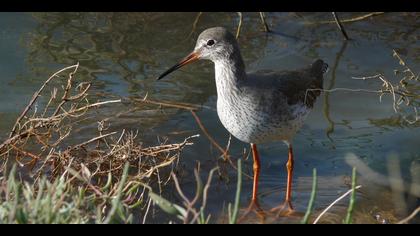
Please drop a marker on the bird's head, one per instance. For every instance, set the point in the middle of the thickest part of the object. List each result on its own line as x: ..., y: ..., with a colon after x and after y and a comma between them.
x: 213, y: 44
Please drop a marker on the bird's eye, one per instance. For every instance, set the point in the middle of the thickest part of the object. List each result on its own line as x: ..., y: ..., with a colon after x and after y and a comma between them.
x: 210, y: 42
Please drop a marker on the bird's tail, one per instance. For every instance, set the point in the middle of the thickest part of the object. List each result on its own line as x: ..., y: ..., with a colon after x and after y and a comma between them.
x: 319, y: 67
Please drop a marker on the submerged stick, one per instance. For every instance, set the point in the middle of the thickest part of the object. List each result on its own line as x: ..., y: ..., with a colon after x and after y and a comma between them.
x: 266, y: 28
x: 335, y: 202
x: 410, y: 217
x: 194, y: 26
x: 359, y: 18
x: 340, y: 26
x: 239, y: 25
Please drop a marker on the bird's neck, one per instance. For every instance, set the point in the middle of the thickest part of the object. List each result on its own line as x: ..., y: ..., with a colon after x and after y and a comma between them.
x: 229, y: 72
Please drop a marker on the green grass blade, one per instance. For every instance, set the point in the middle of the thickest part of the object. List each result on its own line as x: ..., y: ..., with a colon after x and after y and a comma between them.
x: 234, y: 215
x: 312, y: 199
x: 348, y: 219
x: 117, y: 200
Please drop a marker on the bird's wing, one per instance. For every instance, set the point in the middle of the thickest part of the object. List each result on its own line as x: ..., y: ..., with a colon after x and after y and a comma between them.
x: 303, y: 85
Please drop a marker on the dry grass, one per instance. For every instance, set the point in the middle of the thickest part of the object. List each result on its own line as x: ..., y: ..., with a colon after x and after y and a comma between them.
x: 42, y: 142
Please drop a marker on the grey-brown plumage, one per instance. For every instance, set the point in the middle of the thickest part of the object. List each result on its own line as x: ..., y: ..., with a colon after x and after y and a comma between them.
x: 262, y: 106
x: 258, y: 107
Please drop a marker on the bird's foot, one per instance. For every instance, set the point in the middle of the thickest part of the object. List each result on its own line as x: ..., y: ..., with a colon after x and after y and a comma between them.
x: 254, y: 207
x: 284, y: 209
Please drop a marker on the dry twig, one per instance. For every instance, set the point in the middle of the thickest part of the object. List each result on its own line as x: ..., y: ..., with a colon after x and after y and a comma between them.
x: 354, y: 19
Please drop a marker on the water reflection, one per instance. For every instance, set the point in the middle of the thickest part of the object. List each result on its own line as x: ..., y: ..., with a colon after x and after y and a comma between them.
x: 124, y: 52
x: 330, y: 86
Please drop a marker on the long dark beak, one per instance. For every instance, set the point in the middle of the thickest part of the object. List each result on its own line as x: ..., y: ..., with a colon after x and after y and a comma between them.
x: 194, y: 56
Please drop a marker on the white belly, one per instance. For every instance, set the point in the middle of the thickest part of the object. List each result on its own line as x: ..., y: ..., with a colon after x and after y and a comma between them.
x: 251, y: 126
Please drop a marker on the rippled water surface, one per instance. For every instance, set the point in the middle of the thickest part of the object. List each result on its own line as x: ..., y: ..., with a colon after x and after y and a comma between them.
x: 124, y: 52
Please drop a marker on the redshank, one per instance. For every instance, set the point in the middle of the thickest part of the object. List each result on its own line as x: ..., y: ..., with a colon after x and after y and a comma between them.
x: 259, y: 107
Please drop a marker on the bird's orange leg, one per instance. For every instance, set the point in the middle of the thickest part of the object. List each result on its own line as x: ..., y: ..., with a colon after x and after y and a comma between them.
x: 289, y: 165
x: 288, y: 201
x: 257, y: 168
x: 254, y: 205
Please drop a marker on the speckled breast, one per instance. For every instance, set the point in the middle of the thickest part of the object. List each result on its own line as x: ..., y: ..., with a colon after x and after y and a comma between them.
x: 250, y: 124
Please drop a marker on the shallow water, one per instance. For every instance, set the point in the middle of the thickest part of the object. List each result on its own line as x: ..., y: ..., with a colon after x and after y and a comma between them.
x: 124, y: 52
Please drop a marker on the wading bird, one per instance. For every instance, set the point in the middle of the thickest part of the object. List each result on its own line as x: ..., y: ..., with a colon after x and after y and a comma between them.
x: 259, y: 107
